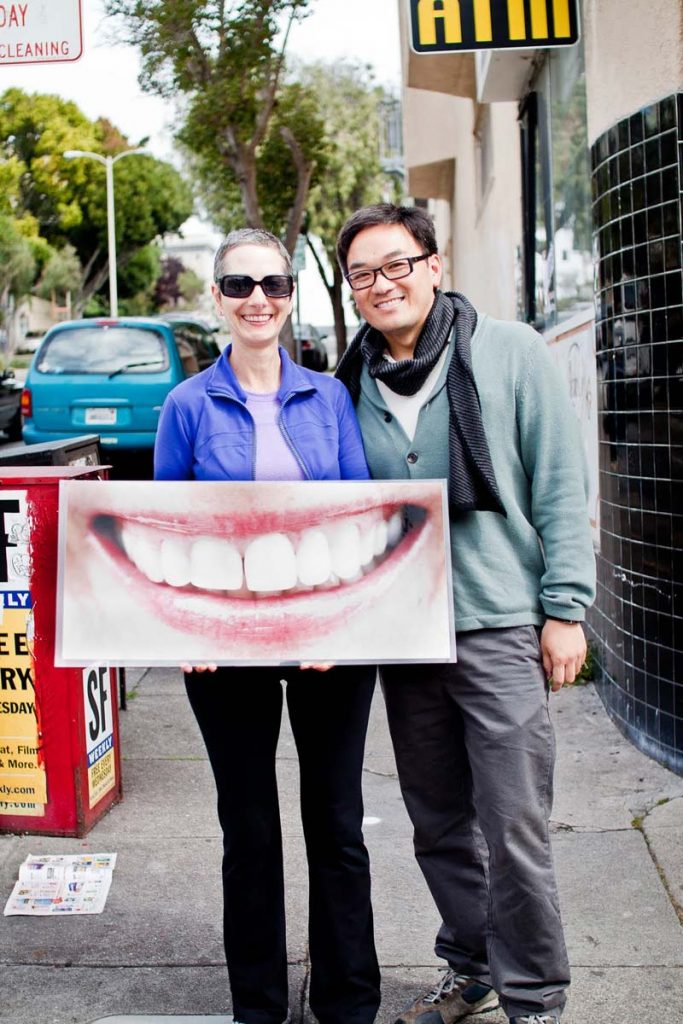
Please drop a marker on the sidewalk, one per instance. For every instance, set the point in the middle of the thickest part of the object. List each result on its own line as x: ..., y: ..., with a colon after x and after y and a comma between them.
x: 156, y: 949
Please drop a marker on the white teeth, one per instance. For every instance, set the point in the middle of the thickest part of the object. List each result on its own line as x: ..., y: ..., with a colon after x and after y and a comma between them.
x: 324, y: 556
x: 175, y: 562
x: 313, y: 561
x: 215, y: 565
x: 367, y: 545
x: 149, y: 562
x: 380, y: 534
x: 270, y: 563
x: 344, y: 540
x: 394, y: 529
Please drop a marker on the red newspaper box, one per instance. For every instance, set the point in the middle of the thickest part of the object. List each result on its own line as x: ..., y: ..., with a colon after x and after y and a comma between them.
x: 59, y: 736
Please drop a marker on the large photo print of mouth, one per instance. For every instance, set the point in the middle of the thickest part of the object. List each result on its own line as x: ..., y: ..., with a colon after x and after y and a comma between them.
x: 253, y: 573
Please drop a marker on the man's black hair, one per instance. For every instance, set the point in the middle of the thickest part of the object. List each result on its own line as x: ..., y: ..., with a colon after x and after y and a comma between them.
x: 413, y: 218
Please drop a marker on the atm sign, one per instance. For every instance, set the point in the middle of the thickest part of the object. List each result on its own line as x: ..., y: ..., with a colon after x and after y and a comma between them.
x: 445, y: 26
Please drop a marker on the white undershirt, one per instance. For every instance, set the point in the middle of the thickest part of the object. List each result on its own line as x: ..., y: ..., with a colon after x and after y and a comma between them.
x: 406, y: 408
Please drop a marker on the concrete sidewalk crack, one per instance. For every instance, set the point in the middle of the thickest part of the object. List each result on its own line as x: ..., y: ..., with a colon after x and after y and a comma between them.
x: 638, y: 823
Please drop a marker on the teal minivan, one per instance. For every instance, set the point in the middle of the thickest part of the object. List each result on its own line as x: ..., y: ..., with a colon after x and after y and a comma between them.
x: 110, y: 377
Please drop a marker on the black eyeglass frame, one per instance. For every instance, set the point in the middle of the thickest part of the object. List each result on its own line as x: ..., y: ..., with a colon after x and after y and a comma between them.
x: 264, y: 284
x: 411, y: 260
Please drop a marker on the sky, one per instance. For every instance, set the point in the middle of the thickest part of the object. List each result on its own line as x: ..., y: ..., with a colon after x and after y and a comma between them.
x: 104, y: 81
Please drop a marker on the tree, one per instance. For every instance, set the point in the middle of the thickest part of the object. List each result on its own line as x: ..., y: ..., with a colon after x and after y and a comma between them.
x: 350, y: 103
x: 62, y: 275
x: 17, y: 273
x: 227, y: 61
x: 66, y: 200
x: 167, y: 289
x: 191, y: 287
x: 176, y: 286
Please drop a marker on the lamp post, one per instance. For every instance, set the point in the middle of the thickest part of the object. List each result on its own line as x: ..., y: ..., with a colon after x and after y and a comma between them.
x: 109, y: 161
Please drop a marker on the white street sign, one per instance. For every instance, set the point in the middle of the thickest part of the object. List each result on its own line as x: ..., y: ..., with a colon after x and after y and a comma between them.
x: 40, y: 32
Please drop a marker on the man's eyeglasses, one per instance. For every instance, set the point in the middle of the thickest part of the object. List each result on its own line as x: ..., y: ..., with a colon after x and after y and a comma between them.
x: 240, y: 286
x: 393, y: 271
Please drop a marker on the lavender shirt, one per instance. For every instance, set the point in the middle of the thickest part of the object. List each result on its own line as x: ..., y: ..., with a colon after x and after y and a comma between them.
x: 274, y: 458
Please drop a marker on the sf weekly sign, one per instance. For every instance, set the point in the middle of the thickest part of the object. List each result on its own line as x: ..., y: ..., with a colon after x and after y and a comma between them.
x: 37, y: 32
x: 451, y: 26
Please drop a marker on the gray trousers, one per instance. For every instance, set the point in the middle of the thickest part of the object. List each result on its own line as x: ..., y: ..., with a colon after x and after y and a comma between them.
x: 475, y: 747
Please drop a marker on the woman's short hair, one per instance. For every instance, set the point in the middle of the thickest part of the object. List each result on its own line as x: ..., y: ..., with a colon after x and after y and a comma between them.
x: 249, y: 236
x: 414, y: 219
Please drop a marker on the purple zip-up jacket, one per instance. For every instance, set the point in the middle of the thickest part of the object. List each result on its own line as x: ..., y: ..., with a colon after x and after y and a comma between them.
x: 206, y: 431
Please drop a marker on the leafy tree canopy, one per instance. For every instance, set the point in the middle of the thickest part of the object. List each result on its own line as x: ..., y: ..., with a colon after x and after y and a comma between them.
x: 62, y: 273
x: 227, y: 61
x: 65, y: 200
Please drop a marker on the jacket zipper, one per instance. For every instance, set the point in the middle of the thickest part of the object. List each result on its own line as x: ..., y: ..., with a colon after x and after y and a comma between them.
x: 290, y: 443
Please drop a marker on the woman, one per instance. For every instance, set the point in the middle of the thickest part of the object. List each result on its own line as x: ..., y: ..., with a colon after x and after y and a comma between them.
x: 257, y: 415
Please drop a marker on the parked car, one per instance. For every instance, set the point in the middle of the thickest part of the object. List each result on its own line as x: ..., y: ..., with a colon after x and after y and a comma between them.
x: 10, y: 405
x: 313, y: 349
x: 29, y: 344
x: 110, y: 377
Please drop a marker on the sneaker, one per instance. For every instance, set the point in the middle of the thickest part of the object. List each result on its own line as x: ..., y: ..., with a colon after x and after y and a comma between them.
x: 536, y: 1018
x: 454, y: 998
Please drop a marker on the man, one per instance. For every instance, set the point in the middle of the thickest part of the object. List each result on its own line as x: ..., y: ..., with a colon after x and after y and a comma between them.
x: 444, y: 391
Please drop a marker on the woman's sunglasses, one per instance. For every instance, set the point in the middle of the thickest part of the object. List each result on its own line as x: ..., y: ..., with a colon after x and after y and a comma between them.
x: 240, y: 286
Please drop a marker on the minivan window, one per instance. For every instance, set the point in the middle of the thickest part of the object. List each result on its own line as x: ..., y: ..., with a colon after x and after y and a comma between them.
x: 197, y: 349
x: 104, y: 349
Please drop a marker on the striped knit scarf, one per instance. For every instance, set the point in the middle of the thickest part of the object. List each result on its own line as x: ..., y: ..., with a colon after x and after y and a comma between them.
x: 472, y: 483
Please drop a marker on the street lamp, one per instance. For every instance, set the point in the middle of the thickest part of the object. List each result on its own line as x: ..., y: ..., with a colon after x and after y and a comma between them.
x: 109, y: 161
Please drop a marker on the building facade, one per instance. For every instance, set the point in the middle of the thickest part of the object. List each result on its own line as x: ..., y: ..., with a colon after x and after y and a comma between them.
x: 555, y: 176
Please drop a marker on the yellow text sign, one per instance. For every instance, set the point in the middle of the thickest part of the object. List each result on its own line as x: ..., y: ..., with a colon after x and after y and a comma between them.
x: 22, y: 772
x: 442, y: 26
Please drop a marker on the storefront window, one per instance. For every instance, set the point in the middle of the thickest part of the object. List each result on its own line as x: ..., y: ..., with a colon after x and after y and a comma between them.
x: 558, y: 278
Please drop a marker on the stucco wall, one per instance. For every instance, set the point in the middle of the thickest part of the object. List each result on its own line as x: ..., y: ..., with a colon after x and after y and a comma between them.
x: 481, y: 235
x: 488, y: 229
x: 634, y: 56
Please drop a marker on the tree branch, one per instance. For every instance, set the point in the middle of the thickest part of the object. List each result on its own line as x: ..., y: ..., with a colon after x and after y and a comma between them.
x: 304, y: 169
x: 270, y: 93
x: 321, y: 268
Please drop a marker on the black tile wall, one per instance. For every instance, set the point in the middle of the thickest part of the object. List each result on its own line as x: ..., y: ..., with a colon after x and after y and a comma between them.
x: 636, y: 626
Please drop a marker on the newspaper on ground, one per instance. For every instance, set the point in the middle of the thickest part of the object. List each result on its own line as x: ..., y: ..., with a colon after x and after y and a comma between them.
x: 62, y: 884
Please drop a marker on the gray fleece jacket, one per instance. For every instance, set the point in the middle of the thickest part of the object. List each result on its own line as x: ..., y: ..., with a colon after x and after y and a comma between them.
x: 538, y: 561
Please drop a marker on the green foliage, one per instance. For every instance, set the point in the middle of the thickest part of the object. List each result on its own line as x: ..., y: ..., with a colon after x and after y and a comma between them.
x: 191, y: 287
x: 62, y: 273
x: 297, y: 111
x: 64, y: 201
x: 350, y: 103
x: 226, y: 60
x: 17, y: 264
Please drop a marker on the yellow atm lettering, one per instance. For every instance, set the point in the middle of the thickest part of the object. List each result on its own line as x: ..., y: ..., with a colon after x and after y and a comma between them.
x: 563, y: 29
x: 483, y: 29
x: 539, y: 19
x: 516, y: 19
x: 448, y: 11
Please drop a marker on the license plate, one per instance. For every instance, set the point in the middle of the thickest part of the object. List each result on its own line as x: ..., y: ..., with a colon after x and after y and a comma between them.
x: 100, y: 417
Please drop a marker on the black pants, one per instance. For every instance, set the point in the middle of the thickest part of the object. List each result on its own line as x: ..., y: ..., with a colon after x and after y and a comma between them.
x: 239, y: 712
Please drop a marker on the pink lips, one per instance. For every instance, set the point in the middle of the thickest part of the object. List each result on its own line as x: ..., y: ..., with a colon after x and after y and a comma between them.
x: 132, y: 607
x: 273, y: 621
